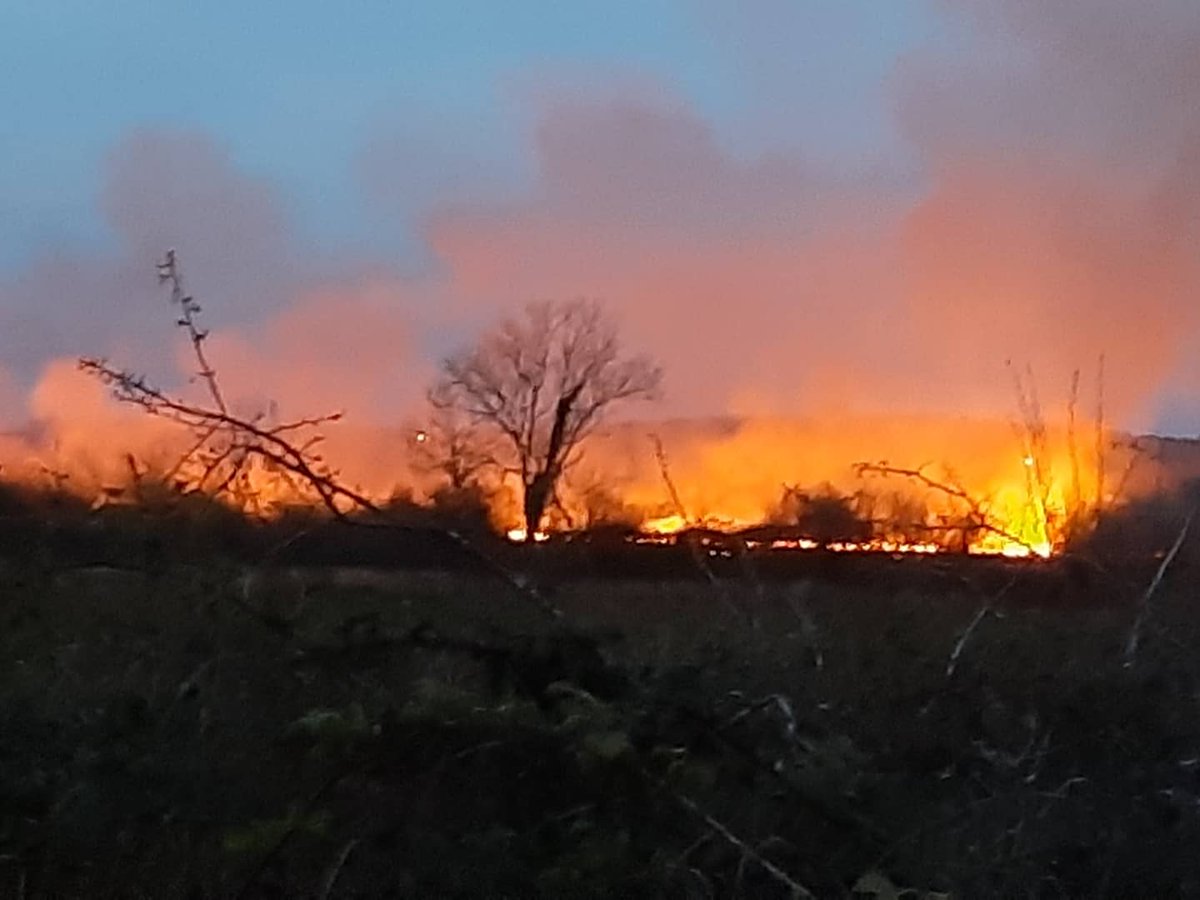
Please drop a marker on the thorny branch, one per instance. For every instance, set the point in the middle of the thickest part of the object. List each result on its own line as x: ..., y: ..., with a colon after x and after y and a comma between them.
x: 243, y: 438
x: 272, y: 443
x: 169, y: 273
x: 226, y: 441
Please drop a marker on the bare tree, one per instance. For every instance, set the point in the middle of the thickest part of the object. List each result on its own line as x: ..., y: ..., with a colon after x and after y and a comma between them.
x: 451, y: 445
x: 540, y: 383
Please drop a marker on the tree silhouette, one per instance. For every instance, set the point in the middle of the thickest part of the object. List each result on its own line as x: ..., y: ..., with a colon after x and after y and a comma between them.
x: 539, y: 383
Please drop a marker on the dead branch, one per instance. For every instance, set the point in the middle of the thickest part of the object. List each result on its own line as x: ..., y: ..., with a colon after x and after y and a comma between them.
x: 271, y: 443
x: 796, y: 888
x: 962, y: 641
x: 1131, y: 647
x: 306, y: 809
x: 693, y: 545
x: 335, y: 870
x: 245, y: 437
x: 226, y: 443
x: 984, y: 610
x: 169, y: 273
x: 979, y: 520
x: 1138, y: 452
x: 1072, y: 449
x: 1032, y: 432
x: 664, y: 470
x: 1100, y: 434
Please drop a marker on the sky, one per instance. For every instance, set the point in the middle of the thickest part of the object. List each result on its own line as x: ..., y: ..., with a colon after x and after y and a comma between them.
x: 797, y: 206
x: 305, y: 97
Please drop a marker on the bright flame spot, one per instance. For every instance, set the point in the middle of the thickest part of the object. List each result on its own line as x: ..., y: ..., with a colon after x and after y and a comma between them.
x: 421, y: 437
x: 518, y: 535
x: 664, y: 525
x: 1028, y: 461
x: 1020, y: 551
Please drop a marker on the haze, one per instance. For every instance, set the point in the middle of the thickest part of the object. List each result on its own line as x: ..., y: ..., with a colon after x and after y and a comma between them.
x: 797, y: 207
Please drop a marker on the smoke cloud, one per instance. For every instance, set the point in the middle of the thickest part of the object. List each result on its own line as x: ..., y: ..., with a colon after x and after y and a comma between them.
x: 1053, y: 217
x: 1055, y: 220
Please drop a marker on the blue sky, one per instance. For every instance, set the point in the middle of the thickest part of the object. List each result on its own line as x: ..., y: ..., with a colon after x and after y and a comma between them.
x: 299, y: 92
x: 912, y: 190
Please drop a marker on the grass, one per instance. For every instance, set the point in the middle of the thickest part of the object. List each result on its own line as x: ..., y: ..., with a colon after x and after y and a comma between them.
x: 178, y: 731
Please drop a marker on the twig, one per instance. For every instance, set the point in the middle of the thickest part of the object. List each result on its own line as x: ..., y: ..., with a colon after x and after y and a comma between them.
x: 1073, y: 450
x: 796, y: 888
x: 1138, y: 451
x: 277, y: 848
x: 823, y: 804
x: 1032, y: 432
x: 1131, y: 647
x: 664, y: 469
x: 692, y: 848
x: 809, y: 627
x: 248, y: 437
x: 278, y: 445
x: 1059, y: 793
x: 1100, y: 434
x: 477, y: 749
x: 335, y: 870
x: 518, y: 583
x: 750, y: 571
x: 978, y: 518
x: 984, y: 610
x: 189, y: 309
x: 962, y: 641
x: 693, y: 545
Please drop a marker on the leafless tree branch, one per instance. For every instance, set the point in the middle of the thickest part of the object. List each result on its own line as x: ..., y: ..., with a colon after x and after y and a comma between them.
x: 978, y: 517
x: 540, y: 384
x: 225, y: 443
x: 1135, y: 634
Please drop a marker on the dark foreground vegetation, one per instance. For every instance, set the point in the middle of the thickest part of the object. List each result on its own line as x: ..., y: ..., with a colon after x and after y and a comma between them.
x: 188, y: 725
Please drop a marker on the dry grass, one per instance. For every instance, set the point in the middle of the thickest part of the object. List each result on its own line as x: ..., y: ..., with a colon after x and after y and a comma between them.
x: 160, y: 734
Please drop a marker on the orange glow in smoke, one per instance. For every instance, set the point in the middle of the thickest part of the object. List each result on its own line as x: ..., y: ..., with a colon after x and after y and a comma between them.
x: 728, y: 477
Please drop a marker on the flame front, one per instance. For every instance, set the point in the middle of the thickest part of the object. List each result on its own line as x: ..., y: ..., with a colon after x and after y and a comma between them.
x: 736, y: 477
x: 980, y: 489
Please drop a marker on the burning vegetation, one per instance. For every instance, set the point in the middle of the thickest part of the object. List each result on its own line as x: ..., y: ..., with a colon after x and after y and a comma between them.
x: 517, y: 433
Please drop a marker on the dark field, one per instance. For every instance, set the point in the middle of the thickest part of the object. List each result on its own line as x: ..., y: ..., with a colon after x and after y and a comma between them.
x: 177, y: 730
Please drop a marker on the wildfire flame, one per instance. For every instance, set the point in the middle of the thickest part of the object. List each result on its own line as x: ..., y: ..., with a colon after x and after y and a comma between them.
x: 999, y: 498
x: 728, y: 478
x: 519, y: 535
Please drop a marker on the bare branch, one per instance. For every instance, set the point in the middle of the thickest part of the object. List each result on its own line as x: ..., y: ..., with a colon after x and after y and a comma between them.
x: 189, y: 311
x: 1100, y: 434
x: 226, y: 443
x: 796, y: 889
x: 695, y: 547
x: 984, y: 610
x: 540, y: 383
x: 978, y: 516
x: 1135, y: 633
